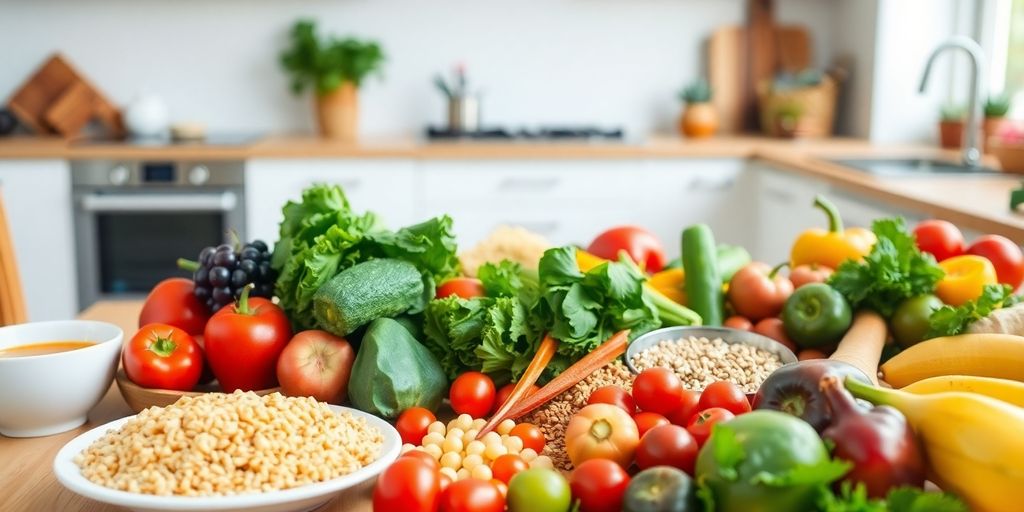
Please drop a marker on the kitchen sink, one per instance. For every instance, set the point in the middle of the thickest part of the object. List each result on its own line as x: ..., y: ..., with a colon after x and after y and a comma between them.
x: 914, y: 167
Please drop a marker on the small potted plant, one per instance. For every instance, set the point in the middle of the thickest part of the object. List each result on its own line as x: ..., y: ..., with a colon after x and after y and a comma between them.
x: 951, y: 126
x: 789, y: 120
x: 699, y: 119
x: 334, y: 68
x: 996, y: 108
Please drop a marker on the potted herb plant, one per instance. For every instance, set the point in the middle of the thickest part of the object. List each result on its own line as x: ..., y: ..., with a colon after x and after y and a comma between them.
x: 699, y: 118
x: 951, y: 126
x: 335, y: 69
x: 996, y: 108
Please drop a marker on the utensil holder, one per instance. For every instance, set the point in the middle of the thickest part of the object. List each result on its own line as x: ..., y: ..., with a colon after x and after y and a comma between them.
x: 464, y: 113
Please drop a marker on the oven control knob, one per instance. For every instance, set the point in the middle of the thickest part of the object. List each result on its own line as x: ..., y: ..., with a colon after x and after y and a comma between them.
x: 119, y: 175
x: 199, y: 175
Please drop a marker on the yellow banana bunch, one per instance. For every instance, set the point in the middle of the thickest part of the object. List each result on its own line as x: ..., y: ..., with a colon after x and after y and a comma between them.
x: 998, y: 356
x: 972, y: 442
x: 1009, y: 391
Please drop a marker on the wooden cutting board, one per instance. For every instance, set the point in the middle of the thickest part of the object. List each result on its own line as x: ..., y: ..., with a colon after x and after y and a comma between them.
x: 32, y: 100
x: 70, y: 112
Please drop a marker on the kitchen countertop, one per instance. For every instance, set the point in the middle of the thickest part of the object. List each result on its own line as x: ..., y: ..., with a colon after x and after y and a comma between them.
x: 28, y: 483
x: 978, y: 203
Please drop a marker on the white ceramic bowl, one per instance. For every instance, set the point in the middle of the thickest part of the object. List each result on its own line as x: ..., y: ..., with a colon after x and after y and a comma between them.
x: 307, y: 497
x: 47, y: 394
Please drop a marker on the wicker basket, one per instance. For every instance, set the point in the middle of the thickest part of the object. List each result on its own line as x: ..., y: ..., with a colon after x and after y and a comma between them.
x: 816, y: 105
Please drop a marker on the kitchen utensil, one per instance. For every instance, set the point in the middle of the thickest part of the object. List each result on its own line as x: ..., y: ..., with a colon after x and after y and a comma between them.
x: 33, y: 100
x: 71, y: 110
x: 443, y: 86
x: 793, y: 46
x: 46, y: 394
x: 146, y: 116
x: 463, y: 114
x: 307, y: 497
x: 139, y: 398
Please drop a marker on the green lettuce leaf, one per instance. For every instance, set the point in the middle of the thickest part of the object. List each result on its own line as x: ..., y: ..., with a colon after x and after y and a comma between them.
x: 949, y: 320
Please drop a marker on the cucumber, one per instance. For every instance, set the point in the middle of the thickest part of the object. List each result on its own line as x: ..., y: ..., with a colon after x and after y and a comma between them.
x: 365, y: 292
x: 703, y: 281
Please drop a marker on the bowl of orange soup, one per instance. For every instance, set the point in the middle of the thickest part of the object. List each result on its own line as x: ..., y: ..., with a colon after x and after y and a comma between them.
x: 53, y: 373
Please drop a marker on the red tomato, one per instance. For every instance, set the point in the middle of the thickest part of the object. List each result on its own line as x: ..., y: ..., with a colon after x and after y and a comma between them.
x: 412, y: 424
x: 809, y: 273
x: 502, y: 487
x: 658, y: 390
x: 317, y: 364
x: 163, y: 357
x: 726, y: 395
x: 687, y: 407
x: 1005, y: 256
x: 465, y: 287
x: 667, y: 445
x: 244, y: 342
x: 939, y: 238
x: 472, y: 393
x: 773, y: 328
x: 700, y: 426
x: 427, y: 458
x: 531, y: 435
x: 408, y: 484
x: 599, y: 485
x: 173, y: 302
x: 506, y: 466
x: 506, y: 391
x: 641, y: 245
x: 613, y: 395
x: 757, y: 292
x: 645, y: 421
x: 738, y: 322
x: 471, y: 495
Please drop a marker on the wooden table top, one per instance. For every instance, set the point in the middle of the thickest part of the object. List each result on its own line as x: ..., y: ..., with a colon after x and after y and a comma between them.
x: 27, y: 482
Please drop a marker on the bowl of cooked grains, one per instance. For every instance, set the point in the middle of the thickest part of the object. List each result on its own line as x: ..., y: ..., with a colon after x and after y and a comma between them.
x: 226, y: 452
x: 701, y: 355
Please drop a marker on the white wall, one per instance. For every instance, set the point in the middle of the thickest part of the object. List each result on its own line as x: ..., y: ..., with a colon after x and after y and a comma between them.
x: 611, y: 62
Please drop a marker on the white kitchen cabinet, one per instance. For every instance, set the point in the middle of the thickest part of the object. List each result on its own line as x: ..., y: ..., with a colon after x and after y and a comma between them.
x: 37, y: 199
x: 386, y: 187
x: 784, y: 208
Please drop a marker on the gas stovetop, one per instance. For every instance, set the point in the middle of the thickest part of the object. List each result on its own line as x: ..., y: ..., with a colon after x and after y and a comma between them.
x: 543, y: 133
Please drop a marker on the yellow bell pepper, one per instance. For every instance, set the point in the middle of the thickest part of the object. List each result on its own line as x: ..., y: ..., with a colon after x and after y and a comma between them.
x: 832, y: 247
x: 586, y: 261
x: 670, y: 283
x: 966, y: 277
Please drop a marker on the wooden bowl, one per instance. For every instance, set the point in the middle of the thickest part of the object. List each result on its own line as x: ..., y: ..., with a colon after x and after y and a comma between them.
x: 140, y: 398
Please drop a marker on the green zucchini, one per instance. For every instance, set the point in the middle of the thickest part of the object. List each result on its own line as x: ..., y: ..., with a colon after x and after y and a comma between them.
x: 703, y: 281
x: 365, y: 292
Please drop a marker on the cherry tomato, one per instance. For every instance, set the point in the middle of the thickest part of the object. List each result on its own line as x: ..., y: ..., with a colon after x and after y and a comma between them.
x: 506, y: 466
x: 658, y: 390
x: 599, y: 485
x: 531, y: 435
x: 726, y: 395
x: 506, y: 391
x: 173, y: 302
x: 408, y: 484
x: 1005, y: 256
x: 424, y: 456
x: 757, y: 291
x: 667, y: 445
x: 472, y: 495
x: 700, y: 426
x: 613, y: 395
x: 472, y: 393
x: 163, y: 357
x: 465, y: 287
x: 939, y: 238
x: 645, y: 421
x: 412, y: 424
x: 686, y: 409
x: 642, y: 246
x: 738, y: 322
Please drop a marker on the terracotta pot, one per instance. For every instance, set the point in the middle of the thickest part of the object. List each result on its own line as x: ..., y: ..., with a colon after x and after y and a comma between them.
x: 337, y: 113
x: 950, y: 134
x: 699, y: 120
x: 990, y: 129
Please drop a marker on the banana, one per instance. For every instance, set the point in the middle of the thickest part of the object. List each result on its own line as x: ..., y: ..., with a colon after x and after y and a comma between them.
x: 1009, y: 391
x: 972, y: 442
x: 999, y: 356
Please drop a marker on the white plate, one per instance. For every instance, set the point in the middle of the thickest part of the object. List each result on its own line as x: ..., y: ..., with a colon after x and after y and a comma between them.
x: 307, y: 497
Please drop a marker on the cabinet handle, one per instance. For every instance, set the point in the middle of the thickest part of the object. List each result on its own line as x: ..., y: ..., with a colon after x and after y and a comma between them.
x: 528, y: 183
x: 541, y: 228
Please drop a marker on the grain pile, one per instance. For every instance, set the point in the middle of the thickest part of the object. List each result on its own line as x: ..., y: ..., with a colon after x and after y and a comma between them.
x: 700, y: 361
x: 221, y: 444
x: 553, y: 417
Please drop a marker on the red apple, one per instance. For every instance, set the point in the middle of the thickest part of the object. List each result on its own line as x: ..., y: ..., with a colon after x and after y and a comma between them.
x: 317, y: 364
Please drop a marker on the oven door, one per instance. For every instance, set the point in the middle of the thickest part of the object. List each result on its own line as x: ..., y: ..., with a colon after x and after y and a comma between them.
x: 128, y: 241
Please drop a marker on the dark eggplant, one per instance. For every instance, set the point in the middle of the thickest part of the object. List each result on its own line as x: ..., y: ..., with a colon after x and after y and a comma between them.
x: 794, y: 389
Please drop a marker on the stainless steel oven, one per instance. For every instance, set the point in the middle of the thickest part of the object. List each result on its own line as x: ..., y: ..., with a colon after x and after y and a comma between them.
x: 134, y: 219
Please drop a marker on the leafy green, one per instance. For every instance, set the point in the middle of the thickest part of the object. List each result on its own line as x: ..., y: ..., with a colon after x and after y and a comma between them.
x: 509, y: 279
x: 904, y: 499
x: 949, y: 320
x: 321, y: 236
x: 326, y: 64
x: 894, y: 270
x: 727, y: 451
x: 825, y: 471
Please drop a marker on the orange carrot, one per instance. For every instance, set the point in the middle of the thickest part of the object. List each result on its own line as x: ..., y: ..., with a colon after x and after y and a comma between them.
x: 540, y: 361
x: 600, y: 356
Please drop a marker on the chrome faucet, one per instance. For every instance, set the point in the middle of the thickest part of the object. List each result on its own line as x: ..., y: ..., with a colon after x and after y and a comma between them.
x: 972, y: 127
